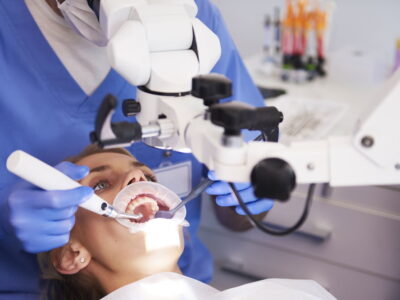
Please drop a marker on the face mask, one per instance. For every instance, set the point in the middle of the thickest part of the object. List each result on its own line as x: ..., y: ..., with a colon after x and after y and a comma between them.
x: 83, y: 20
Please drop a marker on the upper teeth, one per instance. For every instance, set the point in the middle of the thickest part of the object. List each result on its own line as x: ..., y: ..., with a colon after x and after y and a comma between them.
x: 131, y: 207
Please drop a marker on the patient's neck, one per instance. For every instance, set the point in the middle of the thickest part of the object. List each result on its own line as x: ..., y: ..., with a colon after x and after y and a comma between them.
x: 111, y: 280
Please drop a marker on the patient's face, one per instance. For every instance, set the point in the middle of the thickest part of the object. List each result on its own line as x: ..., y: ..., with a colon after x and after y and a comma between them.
x: 111, y: 245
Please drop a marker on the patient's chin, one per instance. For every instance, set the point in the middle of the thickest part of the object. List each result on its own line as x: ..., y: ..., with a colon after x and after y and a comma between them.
x: 165, y: 260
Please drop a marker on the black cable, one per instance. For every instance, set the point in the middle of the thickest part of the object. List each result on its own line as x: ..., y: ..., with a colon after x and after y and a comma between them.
x: 270, y: 135
x: 260, y: 138
x: 264, y: 227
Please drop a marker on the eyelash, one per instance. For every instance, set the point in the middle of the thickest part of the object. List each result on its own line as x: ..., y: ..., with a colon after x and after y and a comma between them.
x: 150, y: 177
x: 100, y: 182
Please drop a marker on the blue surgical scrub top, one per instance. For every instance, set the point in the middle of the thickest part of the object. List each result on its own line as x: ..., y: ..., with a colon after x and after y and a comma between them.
x: 44, y: 112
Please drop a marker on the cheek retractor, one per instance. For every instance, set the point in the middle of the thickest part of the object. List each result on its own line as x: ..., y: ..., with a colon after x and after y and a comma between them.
x: 147, y: 198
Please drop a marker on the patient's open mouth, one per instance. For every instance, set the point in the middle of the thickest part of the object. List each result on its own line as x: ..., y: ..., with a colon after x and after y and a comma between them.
x: 147, y: 198
x: 145, y: 204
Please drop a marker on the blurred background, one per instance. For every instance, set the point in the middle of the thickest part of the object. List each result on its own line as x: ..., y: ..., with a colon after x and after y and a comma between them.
x: 367, y: 25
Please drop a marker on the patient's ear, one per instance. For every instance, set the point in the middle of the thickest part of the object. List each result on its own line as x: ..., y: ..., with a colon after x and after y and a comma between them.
x: 70, y: 258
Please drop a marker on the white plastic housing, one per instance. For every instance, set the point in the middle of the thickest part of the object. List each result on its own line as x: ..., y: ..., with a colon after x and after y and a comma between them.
x: 380, y: 125
x: 172, y: 72
x: 113, y: 13
x: 150, y: 42
x: 208, y: 46
x: 46, y: 177
x: 168, y: 26
x: 129, y: 54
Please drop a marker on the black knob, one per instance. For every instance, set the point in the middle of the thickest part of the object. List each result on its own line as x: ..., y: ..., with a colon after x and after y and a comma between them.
x: 130, y: 107
x: 265, y: 118
x: 273, y: 178
x: 211, y: 88
x: 232, y: 116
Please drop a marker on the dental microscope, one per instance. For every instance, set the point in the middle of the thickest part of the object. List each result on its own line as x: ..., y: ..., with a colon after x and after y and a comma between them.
x: 163, y: 49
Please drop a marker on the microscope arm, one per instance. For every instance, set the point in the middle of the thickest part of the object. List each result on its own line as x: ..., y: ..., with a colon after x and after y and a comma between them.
x: 334, y: 160
x: 370, y: 157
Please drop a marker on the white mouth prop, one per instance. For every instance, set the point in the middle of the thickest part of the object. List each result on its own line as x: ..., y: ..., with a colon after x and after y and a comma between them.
x: 147, y: 198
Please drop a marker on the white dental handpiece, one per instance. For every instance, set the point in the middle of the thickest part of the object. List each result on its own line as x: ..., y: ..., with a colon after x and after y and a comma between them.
x: 46, y: 177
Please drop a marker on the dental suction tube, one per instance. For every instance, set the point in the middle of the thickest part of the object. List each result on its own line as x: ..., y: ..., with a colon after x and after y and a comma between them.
x: 48, y: 178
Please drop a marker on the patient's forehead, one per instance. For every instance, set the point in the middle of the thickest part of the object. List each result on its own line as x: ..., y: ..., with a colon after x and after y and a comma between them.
x: 106, y: 158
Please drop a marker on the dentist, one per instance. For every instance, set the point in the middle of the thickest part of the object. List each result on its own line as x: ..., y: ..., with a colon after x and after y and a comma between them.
x: 54, y: 73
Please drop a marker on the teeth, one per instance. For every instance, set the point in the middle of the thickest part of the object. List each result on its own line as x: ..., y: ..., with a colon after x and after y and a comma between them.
x: 142, y: 200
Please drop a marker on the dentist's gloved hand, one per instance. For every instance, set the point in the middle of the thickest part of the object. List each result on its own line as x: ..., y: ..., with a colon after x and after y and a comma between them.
x: 222, y: 190
x: 42, y: 219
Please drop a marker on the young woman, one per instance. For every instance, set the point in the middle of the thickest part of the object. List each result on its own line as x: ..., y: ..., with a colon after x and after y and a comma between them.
x: 101, y: 255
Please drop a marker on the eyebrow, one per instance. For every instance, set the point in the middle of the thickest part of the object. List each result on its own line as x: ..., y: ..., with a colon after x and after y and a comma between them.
x: 100, y: 168
x: 107, y: 167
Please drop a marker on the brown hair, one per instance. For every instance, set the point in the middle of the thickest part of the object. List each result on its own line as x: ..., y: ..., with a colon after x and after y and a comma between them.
x: 58, y: 286
x: 76, y: 286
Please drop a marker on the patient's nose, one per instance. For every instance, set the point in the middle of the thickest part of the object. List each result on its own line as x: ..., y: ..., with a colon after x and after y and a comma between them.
x: 135, y: 176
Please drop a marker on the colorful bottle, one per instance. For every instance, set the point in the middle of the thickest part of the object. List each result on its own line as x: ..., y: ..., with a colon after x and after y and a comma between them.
x: 288, y: 41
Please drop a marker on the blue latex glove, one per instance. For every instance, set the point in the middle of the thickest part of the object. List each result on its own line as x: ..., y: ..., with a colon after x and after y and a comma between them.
x: 222, y: 190
x: 42, y: 219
